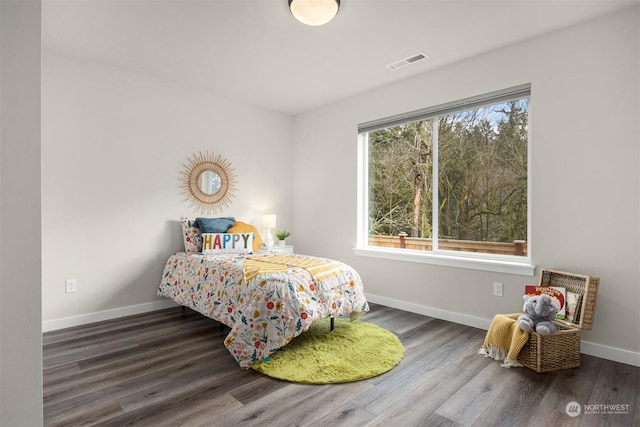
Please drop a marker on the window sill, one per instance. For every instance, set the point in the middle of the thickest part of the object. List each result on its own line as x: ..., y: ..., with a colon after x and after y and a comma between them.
x: 523, y: 268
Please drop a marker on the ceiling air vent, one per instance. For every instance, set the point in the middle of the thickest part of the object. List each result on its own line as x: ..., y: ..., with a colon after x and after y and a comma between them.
x: 408, y: 61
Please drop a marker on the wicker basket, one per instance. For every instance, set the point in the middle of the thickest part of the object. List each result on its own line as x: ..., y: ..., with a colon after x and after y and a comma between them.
x: 561, y: 350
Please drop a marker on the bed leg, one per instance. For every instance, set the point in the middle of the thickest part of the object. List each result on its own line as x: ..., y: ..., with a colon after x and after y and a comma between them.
x: 332, y: 324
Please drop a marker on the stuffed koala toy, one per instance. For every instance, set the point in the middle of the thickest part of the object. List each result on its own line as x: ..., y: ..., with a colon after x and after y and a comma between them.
x: 539, y: 312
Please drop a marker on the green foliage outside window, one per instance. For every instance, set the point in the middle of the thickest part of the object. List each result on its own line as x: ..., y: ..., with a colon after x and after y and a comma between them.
x: 482, y: 160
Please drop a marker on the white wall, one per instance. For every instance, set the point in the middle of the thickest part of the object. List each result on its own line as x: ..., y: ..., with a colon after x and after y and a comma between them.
x: 114, y: 144
x: 20, y: 259
x: 585, y: 157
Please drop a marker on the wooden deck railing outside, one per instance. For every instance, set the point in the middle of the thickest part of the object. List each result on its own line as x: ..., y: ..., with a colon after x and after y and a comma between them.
x: 518, y: 247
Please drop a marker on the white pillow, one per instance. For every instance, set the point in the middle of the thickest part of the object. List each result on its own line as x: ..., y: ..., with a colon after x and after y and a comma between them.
x: 227, y: 243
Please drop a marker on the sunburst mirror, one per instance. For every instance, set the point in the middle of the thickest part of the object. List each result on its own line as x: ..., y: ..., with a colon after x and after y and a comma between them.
x: 208, y: 182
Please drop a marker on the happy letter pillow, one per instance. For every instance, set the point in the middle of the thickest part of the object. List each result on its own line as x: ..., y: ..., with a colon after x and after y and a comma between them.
x: 227, y: 243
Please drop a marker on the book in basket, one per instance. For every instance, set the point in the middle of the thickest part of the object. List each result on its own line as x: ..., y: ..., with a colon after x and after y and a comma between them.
x: 557, y: 293
x: 574, y: 302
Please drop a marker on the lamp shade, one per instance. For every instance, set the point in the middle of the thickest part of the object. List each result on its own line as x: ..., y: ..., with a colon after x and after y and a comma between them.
x: 269, y: 221
x: 314, y: 12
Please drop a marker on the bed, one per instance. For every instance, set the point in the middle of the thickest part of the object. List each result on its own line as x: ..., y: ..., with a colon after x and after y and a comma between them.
x: 266, y: 300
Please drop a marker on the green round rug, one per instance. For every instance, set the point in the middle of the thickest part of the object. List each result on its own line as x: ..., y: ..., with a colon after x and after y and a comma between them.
x: 353, y: 351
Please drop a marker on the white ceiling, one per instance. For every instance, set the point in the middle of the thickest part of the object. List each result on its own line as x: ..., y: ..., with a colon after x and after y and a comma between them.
x: 255, y: 52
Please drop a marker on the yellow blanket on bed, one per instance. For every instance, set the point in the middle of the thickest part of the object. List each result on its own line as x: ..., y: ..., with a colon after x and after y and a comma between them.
x: 504, y: 340
x: 321, y: 269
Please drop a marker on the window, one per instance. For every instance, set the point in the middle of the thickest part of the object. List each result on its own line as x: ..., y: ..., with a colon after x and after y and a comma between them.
x: 449, y: 183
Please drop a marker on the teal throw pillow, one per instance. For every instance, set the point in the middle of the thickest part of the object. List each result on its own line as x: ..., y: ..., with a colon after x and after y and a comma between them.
x: 215, y: 225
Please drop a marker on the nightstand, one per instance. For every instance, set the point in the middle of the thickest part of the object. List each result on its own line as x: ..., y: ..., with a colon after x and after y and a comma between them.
x: 276, y: 250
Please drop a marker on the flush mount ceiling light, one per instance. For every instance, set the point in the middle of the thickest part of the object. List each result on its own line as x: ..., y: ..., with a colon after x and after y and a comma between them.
x: 314, y: 12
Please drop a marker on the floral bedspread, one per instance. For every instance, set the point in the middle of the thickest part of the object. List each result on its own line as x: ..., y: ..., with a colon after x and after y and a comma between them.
x: 264, y: 309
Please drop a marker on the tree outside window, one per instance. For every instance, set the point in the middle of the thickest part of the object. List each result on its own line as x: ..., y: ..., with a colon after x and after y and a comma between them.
x: 453, y: 180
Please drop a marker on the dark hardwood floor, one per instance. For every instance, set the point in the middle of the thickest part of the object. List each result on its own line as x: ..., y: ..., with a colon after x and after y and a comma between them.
x: 170, y: 368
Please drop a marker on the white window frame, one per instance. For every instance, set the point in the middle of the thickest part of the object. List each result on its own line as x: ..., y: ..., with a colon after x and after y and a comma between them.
x: 520, y: 265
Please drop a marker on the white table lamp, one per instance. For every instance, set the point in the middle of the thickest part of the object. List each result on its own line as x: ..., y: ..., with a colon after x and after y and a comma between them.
x: 268, y: 222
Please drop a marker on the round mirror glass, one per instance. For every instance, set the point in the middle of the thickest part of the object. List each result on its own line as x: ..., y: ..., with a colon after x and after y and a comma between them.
x: 209, y: 182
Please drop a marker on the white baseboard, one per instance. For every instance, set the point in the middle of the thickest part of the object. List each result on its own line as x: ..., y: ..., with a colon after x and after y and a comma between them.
x: 610, y: 353
x: 450, y: 316
x: 84, y: 319
x: 592, y: 349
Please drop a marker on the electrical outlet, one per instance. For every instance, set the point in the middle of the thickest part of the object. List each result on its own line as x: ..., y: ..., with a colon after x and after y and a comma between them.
x: 70, y: 285
x: 497, y: 289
